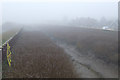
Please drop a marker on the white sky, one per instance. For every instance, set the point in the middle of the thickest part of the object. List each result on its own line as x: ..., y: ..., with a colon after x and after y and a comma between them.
x: 61, y: 0
x: 35, y: 11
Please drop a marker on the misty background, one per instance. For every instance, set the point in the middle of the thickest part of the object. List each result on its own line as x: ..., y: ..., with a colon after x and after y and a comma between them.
x: 80, y: 14
x: 62, y: 19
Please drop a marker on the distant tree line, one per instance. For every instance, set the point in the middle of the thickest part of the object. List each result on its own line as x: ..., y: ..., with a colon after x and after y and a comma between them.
x: 94, y: 23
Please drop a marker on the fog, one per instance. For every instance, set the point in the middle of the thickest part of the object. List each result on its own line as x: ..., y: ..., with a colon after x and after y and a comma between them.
x: 84, y: 33
x: 56, y: 12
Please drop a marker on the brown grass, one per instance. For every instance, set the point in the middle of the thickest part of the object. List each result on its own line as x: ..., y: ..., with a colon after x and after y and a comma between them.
x: 35, y: 56
x: 103, y: 44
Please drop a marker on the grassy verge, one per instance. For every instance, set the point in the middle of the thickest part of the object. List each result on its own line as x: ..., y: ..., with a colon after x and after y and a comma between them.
x: 8, y: 34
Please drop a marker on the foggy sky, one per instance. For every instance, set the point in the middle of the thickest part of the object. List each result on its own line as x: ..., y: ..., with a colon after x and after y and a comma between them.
x: 26, y: 12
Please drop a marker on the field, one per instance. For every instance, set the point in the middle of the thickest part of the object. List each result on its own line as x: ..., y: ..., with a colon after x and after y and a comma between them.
x: 103, y: 44
x: 36, y: 56
x: 62, y: 52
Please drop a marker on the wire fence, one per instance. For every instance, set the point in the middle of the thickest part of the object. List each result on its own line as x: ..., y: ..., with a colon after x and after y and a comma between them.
x: 7, y: 48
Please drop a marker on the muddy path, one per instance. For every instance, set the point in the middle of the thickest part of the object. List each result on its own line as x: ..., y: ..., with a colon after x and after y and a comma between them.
x: 88, y: 66
x: 39, y: 55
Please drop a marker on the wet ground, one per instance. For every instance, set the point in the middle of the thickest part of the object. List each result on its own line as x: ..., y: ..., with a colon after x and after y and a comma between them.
x: 38, y: 55
x: 88, y: 66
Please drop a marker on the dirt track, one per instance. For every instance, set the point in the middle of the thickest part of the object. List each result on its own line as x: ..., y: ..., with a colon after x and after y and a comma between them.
x: 91, y: 61
x: 36, y: 56
x: 89, y: 66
